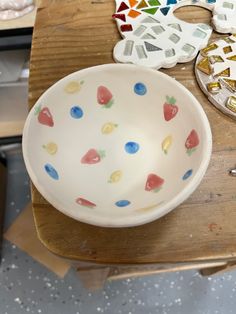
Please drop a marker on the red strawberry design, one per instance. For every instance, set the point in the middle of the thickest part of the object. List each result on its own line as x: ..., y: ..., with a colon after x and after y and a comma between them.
x: 84, y: 202
x: 154, y: 183
x: 92, y: 156
x: 44, y: 116
x: 170, y: 109
x: 192, y: 142
x: 104, y: 97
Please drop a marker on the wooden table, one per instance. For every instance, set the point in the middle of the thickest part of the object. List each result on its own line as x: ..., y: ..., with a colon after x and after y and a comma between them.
x: 71, y: 35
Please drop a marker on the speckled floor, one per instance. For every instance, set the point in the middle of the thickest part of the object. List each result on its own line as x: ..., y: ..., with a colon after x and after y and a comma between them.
x: 28, y: 287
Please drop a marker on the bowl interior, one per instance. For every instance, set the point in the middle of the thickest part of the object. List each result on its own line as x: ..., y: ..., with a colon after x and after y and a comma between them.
x: 116, y: 145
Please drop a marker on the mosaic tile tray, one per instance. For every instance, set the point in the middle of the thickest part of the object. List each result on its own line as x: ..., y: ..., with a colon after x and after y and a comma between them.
x: 154, y: 37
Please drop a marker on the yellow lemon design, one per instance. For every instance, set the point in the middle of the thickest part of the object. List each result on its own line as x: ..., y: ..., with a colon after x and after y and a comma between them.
x: 109, y: 128
x: 73, y: 87
x: 146, y: 209
x: 115, y: 176
x: 51, y: 148
x: 166, y: 144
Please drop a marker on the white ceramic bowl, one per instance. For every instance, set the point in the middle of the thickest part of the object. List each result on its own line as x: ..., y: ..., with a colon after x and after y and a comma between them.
x: 116, y: 145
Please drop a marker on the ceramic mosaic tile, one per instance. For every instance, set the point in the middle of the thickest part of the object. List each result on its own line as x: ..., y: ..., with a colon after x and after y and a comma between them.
x: 154, y: 37
x: 216, y: 74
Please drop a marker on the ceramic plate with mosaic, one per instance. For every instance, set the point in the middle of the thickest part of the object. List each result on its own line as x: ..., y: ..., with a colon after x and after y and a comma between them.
x: 216, y: 74
x: 154, y: 37
x: 116, y: 145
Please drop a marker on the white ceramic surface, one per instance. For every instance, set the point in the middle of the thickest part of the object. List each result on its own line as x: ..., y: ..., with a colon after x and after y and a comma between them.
x: 227, y: 60
x: 12, y: 9
x: 154, y: 37
x: 116, y: 145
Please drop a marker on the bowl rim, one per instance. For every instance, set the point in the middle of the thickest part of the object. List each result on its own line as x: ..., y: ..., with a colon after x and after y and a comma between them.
x: 148, y: 216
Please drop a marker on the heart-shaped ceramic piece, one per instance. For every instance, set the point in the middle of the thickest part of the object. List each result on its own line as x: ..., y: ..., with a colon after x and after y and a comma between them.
x: 116, y: 145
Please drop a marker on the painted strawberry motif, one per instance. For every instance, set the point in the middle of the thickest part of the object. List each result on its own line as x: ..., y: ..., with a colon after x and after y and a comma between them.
x: 84, y: 202
x: 170, y: 108
x: 93, y: 156
x: 154, y: 183
x: 104, y: 97
x: 44, y: 116
x: 192, y: 142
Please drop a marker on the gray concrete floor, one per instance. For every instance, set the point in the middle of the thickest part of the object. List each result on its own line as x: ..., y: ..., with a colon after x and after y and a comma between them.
x: 28, y: 287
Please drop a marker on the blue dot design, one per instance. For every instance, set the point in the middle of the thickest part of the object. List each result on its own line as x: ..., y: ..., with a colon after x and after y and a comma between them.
x: 76, y: 112
x: 122, y: 203
x: 51, y: 171
x: 187, y: 174
x: 140, y: 89
x: 132, y: 147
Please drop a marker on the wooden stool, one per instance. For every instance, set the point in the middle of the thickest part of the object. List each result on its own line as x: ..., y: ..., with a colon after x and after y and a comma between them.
x: 3, y: 185
x: 201, y: 233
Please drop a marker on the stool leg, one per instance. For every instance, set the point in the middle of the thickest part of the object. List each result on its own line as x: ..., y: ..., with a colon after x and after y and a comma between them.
x: 219, y: 269
x: 94, y: 278
x: 3, y: 179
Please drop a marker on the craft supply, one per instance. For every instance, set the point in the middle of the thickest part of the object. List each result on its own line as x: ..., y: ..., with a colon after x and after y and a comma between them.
x: 232, y: 172
x: 154, y: 37
x: 215, y: 71
x: 231, y: 103
x: 204, y: 66
x: 214, y: 87
x: 230, y: 84
x: 209, y: 48
x: 214, y: 59
x: 224, y: 73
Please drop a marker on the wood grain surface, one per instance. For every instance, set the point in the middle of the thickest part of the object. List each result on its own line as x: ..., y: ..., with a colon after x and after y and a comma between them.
x: 71, y: 35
